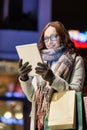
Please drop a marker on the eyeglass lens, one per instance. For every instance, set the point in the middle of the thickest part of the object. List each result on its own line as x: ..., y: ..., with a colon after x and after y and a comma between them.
x: 52, y: 38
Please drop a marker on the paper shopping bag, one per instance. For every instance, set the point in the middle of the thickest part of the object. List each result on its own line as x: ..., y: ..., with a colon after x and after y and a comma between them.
x: 62, y: 114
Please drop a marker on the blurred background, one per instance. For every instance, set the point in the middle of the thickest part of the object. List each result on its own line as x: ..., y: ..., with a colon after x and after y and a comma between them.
x: 21, y: 22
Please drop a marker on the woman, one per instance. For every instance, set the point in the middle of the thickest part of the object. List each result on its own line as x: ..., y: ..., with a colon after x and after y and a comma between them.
x: 63, y: 69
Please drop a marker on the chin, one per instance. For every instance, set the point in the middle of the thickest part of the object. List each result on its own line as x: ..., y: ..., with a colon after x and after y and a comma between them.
x: 53, y: 47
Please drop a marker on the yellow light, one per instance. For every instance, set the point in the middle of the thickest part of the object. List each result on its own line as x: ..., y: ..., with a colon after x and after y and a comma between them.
x: 19, y: 115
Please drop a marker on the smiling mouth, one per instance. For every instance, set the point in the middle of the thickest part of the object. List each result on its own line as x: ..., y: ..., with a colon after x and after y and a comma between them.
x: 51, y: 46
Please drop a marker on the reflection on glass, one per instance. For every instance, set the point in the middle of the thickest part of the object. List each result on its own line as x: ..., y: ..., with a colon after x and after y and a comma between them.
x: 18, y: 14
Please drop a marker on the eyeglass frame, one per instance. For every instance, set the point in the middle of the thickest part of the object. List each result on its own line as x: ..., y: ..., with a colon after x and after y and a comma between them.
x: 54, y: 36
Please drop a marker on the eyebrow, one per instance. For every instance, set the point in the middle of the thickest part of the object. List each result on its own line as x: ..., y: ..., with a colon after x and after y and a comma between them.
x: 51, y: 35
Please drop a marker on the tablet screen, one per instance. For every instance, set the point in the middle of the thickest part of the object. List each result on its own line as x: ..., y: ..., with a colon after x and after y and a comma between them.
x: 30, y: 53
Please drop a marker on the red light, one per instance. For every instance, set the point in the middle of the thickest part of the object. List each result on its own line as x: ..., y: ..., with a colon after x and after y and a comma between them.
x: 80, y: 44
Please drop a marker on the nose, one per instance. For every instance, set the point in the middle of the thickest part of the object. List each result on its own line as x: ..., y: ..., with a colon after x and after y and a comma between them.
x: 49, y: 40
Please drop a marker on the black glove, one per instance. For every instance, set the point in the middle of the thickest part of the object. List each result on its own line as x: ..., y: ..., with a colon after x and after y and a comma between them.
x: 23, y: 70
x: 45, y: 72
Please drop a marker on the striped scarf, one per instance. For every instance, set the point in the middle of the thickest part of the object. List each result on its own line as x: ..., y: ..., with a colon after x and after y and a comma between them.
x: 51, y: 54
x: 44, y: 92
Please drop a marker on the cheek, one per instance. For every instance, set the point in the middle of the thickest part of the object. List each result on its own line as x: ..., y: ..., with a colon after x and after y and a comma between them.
x: 58, y: 39
x: 57, y: 44
x: 46, y: 45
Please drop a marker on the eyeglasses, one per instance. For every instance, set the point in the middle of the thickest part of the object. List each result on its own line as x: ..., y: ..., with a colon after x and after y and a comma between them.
x: 52, y: 38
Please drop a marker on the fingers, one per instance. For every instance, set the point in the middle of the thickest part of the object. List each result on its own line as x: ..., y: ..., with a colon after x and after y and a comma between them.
x: 42, y: 65
x: 38, y: 71
x: 25, y: 71
x: 24, y: 68
x: 25, y: 65
x: 41, y: 68
x: 20, y: 63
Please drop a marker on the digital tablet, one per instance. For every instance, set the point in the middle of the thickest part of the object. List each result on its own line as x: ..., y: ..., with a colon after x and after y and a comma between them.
x: 30, y: 53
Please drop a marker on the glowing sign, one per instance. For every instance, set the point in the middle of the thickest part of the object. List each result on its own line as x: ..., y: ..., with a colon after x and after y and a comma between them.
x: 79, y: 38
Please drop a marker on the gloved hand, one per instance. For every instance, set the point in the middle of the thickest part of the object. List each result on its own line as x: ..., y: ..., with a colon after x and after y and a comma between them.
x: 45, y: 71
x: 23, y: 70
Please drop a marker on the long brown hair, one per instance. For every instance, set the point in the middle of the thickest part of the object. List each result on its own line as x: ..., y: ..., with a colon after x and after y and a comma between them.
x: 62, y: 32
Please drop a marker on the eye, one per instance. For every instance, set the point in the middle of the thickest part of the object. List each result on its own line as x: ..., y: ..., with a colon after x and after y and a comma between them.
x: 53, y: 37
x: 46, y: 38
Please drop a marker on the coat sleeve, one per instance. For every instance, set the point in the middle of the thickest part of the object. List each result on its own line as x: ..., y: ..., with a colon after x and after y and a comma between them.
x: 28, y: 89
x: 76, y: 79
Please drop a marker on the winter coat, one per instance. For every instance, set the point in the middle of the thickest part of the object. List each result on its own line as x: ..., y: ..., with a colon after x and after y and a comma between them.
x: 75, y: 80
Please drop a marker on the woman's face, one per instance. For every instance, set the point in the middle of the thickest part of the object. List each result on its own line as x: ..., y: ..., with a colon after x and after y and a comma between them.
x: 51, y: 38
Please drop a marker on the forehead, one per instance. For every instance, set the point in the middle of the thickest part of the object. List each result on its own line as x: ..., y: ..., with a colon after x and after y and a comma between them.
x: 49, y: 31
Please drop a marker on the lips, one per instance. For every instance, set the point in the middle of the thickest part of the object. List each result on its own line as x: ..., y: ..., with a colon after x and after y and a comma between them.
x: 51, y: 46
